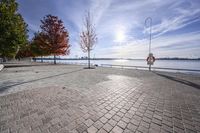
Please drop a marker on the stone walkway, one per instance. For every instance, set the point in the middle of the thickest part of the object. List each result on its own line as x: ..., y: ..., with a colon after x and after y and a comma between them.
x: 101, y: 100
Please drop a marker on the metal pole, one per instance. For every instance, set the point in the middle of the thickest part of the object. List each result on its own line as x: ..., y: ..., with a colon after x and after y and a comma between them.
x: 150, y: 22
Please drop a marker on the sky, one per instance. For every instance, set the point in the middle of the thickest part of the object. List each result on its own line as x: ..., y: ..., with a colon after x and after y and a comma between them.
x: 121, y: 28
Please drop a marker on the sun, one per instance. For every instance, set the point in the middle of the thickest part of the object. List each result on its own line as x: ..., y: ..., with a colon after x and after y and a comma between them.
x: 120, y: 36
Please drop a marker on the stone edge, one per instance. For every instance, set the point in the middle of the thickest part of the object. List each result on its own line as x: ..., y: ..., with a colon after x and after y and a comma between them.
x: 1, y: 67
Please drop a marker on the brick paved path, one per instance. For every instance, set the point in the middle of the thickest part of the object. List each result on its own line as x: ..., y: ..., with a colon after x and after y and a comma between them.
x: 128, y: 101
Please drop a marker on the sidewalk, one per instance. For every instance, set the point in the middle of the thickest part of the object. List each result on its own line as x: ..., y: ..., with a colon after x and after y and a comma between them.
x: 66, y: 98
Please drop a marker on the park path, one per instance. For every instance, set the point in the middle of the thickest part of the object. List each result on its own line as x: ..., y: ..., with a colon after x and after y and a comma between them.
x: 100, y: 100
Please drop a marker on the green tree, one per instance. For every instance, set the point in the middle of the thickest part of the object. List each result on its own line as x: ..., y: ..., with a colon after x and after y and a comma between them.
x: 38, y: 46
x: 24, y: 52
x: 13, y: 29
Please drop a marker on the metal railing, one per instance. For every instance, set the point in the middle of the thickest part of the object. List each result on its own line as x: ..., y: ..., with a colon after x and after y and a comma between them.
x: 154, y: 68
x: 1, y: 61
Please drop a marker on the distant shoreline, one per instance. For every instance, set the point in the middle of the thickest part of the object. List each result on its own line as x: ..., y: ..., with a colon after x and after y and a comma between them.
x: 115, y: 59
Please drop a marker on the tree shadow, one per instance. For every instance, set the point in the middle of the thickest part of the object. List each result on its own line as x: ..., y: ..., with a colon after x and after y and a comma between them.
x: 185, y: 82
x: 2, y: 89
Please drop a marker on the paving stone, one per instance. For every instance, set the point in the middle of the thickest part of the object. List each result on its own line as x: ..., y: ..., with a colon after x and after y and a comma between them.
x: 122, y: 124
x: 103, y: 120
x: 178, y: 130
x: 100, y: 102
x: 146, y: 119
x: 168, y: 123
x: 157, y: 117
x: 117, y: 129
x: 92, y: 129
x: 88, y: 122
x: 139, y: 114
x: 142, y: 129
x: 94, y: 118
x: 125, y: 119
x: 116, y: 118
x: 98, y: 124
x: 127, y: 131
x: 120, y: 114
x: 128, y: 115
x: 167, y: 128
x: 112, y: 112
x: 108, y: 116
x: 135, y: 122
x: 102, y: 131
x: 63, y: 130
x: 151, y: 130
x: 136, y: 117
x: 144, y: 124
x: 81, y: 128
x: 156, y: 121
x: 112, y: 122
x: 107, y: 127
x: 132, y: 127
x: 189, y: 131
x: 53, y: 128
x: 108, y: 108
x: 155, y: 126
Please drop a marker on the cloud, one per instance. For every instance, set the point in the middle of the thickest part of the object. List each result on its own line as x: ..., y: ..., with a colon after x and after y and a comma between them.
x: 167, y: 46
x: 176, y: 22
x: 120, y: 25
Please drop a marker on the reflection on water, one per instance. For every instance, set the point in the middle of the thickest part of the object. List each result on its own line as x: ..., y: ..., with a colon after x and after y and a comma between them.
x: 121, y: 60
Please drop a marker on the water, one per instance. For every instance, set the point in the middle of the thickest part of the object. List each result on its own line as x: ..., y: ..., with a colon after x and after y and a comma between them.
x: 177, y: 64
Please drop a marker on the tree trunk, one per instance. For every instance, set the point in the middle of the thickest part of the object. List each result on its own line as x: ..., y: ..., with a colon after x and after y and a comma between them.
x: 88, y: 58
x: 54, y: 59
x: 41, y: 59
x: 4, y: 59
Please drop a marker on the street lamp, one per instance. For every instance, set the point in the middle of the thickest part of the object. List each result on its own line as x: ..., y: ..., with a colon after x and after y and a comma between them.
x: 150, y: 24
x: 150, y: 54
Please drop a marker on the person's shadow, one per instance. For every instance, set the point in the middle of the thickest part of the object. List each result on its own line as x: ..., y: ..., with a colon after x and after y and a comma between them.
x: 185, y: 82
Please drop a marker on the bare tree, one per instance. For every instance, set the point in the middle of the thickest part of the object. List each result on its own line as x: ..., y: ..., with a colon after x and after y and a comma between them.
x: 88, y: 36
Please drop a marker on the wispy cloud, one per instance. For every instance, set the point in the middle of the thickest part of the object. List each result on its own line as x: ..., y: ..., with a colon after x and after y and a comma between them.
x: 185, y: 18
x: 120, y: 25
x: 182, y: 45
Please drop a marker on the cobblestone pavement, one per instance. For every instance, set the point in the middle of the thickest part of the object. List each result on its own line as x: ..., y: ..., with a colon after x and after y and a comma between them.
x: 100, y: 100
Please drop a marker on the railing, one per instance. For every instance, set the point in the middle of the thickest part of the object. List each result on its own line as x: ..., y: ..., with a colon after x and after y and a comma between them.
x: 60, y: 62
x: 154, y: 68
x: 1, y: 60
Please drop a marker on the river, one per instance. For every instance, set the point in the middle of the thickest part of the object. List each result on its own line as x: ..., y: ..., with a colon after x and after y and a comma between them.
x: 177, y: 64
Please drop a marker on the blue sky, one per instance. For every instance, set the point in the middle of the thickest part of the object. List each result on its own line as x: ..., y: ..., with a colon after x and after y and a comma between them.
x: 120, y: 25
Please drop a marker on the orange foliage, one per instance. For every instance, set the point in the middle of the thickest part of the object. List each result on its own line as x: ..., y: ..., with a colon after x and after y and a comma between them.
x: 54, y: 38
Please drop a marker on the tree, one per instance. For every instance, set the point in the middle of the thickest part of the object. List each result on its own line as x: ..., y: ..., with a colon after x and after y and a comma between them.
x: 38, y: 45
x: 24, y: 52
x: 88, y: 36
x: 53, y: 39
x: 13, y: 29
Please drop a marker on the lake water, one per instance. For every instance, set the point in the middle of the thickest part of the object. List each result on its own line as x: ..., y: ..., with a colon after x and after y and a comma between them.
x: 177, y: 64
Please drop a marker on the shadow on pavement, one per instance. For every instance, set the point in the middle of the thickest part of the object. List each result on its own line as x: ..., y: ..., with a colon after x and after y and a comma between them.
x: 16, y: 84
x: 185, y: 82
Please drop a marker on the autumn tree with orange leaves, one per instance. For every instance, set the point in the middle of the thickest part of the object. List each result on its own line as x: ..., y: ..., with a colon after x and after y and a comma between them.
x: 53, y: 39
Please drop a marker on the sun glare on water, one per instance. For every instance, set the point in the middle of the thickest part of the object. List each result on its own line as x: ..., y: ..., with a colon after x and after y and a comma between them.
x: 121, y: 60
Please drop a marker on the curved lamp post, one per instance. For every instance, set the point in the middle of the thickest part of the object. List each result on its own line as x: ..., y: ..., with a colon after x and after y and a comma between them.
x: 150, y: 25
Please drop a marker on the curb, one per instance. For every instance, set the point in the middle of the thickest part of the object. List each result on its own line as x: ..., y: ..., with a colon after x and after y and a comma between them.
x: 1, y: 67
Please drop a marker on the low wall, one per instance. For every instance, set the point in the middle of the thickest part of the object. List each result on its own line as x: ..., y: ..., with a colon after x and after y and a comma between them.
x: 1, y: 67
